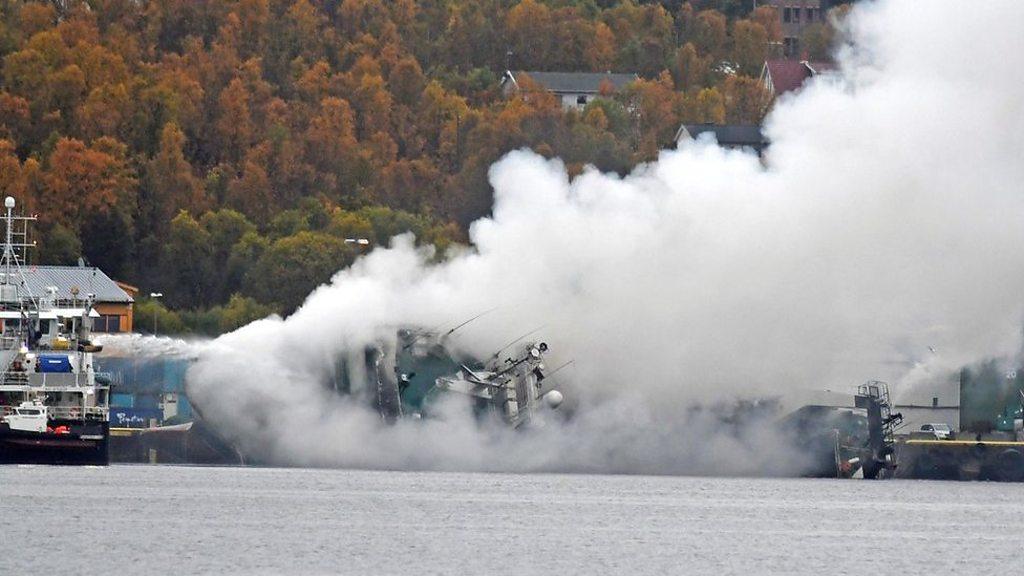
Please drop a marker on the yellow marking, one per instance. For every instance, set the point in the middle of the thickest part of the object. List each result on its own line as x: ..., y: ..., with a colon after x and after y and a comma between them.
x: 124, y: 431
x: 966, y: 442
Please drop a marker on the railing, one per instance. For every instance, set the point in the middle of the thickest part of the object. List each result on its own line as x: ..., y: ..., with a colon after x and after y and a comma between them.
x: 67, y: 412
x: 77, y: 412
x: 45, y: 379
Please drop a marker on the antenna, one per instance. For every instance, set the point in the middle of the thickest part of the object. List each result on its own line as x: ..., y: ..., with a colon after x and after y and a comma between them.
x: 557, y: 370
x: 423, y: 333
x: 499, y: 350
x: 480, y: 315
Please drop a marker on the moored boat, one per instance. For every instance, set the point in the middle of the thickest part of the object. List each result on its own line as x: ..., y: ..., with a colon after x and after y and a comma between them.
x: 54, y: 407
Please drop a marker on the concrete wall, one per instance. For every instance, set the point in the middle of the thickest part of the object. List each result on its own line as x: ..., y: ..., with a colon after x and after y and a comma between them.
x: 914, y: 416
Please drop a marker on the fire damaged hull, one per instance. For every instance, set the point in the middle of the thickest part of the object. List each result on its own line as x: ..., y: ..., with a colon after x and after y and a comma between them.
x: 86, y: 446
x: 847, y: 442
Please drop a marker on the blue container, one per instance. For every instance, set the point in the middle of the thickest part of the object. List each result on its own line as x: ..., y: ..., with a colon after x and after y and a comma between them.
x: 145, y: 375
x: 133, y: 417
x: 54, y: 363
x: 122, y: 400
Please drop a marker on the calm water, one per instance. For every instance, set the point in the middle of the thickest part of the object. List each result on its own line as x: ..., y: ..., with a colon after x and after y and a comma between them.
x: 180, y: 520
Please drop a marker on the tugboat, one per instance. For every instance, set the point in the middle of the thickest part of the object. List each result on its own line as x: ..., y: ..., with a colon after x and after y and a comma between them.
x: 54, y: 407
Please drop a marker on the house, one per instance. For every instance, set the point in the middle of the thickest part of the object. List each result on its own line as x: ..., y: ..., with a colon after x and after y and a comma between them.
x: 794, y: 16
x: 574, y: 89
x: 735, y: 136
x: 779, y: 76
x: 74, y: 284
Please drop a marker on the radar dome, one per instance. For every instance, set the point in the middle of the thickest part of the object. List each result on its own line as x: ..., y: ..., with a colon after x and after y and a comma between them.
x: 553, y: 399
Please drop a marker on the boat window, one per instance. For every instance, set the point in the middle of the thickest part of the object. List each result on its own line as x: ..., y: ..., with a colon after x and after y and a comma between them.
x: 28, y: 412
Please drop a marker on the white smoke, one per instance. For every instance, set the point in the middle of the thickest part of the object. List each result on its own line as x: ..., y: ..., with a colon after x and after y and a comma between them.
x: 886, y: 219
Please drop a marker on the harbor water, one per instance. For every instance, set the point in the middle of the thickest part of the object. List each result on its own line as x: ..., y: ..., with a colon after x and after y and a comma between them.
x: 189, y: 520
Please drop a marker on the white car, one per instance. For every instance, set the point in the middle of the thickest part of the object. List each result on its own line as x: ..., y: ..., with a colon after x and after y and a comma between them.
x: 940, y: 431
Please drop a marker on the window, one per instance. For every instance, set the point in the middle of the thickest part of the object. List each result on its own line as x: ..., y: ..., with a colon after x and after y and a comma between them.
x: 787, y: 14
x: 107, y: 323
x: 796, y: 15
x: 789, y: 46
x: 810, y: 14
x: 581, y: 100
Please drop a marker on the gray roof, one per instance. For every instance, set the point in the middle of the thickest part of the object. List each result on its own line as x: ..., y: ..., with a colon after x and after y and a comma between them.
x: 727, y: 135
x: 575, y: 82
x: 89, y: 280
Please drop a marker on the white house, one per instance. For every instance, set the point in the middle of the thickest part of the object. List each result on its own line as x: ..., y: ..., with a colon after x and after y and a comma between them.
x: 574, y: 89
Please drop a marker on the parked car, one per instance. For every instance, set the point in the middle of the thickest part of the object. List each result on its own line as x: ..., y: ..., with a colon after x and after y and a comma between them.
x: 940, y: 431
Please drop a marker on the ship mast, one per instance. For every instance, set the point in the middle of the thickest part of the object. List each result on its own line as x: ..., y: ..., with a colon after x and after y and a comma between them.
x: 8, y: 242
x: 10, y: 288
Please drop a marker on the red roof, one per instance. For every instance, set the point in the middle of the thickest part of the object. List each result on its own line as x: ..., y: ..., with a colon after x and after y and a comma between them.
x: 787, y: 75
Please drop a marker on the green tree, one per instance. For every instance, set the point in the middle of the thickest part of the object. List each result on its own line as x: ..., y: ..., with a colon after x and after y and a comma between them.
x: 226, y: 228
x: 151, y: 314
x: 816, y: 41
x: 60, y: 246
x: 293, y: 266
x: 750, y: 46
x: 186, y: 263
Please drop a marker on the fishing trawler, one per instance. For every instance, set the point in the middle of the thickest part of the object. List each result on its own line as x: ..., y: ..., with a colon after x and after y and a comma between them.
x: 54, y: 408
x: 408, y: 375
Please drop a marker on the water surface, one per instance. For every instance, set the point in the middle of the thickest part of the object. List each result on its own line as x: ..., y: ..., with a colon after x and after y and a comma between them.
x: 187, y: 520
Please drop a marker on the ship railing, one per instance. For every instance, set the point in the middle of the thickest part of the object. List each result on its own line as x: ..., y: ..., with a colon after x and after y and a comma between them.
x: 77, y: 412
x: 15, y: 378
x: 67, y: 412
x: 57, y: 379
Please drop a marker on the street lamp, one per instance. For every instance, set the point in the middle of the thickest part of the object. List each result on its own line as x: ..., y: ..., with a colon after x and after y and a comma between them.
x: 154, y: 296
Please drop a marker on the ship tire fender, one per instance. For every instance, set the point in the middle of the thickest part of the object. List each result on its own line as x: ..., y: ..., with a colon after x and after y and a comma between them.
x: 978, y: 451
x: 1011, y: 465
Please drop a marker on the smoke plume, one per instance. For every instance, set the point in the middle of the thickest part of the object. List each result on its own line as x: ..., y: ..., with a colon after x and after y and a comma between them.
x: 884, y: 222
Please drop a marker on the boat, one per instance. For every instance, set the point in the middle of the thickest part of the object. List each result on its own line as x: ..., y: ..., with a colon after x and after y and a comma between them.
x: 54, y: 406
x: 410, y: 375
x: 847, y: 442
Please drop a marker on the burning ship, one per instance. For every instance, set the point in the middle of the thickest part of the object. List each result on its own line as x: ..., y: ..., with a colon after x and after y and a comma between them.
x: 53, y: 405
x: 408, y: 375
x: 852, y: 442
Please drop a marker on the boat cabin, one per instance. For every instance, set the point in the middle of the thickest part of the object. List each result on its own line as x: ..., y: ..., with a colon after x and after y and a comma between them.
x: 27, y: 417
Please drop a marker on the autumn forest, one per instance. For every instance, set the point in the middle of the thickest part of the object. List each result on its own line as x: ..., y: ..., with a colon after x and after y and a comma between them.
x: 221, y: 152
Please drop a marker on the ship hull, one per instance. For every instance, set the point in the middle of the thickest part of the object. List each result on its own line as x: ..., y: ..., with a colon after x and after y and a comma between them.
x: 87, y: 447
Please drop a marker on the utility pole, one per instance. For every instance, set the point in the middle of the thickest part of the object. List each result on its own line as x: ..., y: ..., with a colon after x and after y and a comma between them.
x: 155, y: 296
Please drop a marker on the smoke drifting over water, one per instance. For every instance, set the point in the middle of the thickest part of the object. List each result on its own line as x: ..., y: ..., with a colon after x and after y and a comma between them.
x: 886, y: 219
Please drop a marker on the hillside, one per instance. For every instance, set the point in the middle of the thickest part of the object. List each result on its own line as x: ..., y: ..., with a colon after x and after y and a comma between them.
x: 222, y: 152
